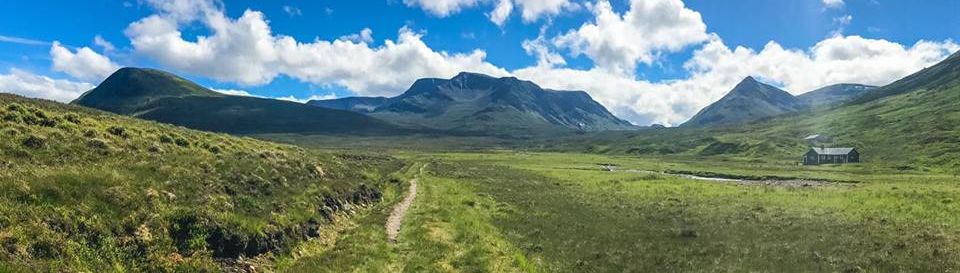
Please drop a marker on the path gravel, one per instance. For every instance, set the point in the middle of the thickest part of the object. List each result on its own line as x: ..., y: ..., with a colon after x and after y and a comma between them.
x: 400, y: 210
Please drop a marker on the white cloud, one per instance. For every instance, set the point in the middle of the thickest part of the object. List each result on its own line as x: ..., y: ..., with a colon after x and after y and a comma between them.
x: 85, y: 64
x: 716, y: 68
x: 292, y: 11
x: 35, y: 86
x: 500, y: 14
x: 305, y: 100
x: 616, y: 42
x: 531, y: 10
x: 104, y: 44
x: 236, y: 92
x: 22, y: 41
x: 245, y: 51
x: 833, y: 3
x: 441, y: 8
x: 365, y: 36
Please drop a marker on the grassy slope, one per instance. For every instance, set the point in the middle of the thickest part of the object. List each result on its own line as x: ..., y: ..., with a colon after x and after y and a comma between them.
x: 83, y: 190
x: 916, y: 130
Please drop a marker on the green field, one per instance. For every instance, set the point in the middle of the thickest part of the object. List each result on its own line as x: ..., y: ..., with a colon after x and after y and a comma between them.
x: 522, y: 212
x: 89, y: 191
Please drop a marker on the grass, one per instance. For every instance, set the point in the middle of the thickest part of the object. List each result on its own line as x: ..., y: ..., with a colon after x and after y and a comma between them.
x: 558, y: 212
x: 83, y: 190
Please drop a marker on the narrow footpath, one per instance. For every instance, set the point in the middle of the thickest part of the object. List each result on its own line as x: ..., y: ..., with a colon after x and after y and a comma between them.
x: 400, y: 210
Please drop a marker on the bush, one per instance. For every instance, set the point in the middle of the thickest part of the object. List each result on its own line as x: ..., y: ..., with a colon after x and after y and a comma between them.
x: 97, y: 143
x: 11, y: 117
x: 90, y: 133
x: 117, y: 131
x: 166, y: 139
x: 73, y: 118
x: 182, y: 142
x: 34, y: 142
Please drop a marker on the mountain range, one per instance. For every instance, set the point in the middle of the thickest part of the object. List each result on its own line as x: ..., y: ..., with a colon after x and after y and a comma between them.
x: 752, y: 100
x: 478, y: 103
x: 160, y: 96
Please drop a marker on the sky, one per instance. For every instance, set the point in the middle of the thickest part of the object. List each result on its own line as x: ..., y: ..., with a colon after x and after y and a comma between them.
x: 648, y: 61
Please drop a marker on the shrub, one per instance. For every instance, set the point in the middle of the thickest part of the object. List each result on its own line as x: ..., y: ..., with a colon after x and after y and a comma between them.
x: 214, y: 149
x: 90, y: 133
x: 11, y: 117
x: 34, y: 142
x: 73, y: 118
x: 182, y: 142
x: 117, y: 131
x: 97, y: 143
x: 166, y: 139
x: 15, y: 107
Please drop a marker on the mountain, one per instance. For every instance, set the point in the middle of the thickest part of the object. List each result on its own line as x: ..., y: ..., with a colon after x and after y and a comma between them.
x: 164, y: 97
x: 834, y: 94
x: 913, y: 123
x: 943, y: 75
x: 478, y: 103
x: 750, y: 100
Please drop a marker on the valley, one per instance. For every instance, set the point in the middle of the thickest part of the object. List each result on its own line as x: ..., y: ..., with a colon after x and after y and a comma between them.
x: 150, y: 172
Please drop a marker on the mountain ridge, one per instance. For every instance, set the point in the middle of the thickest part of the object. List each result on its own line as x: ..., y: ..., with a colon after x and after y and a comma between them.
x: 473, y: 102
x: 749, y: 100
x: 162, y: 96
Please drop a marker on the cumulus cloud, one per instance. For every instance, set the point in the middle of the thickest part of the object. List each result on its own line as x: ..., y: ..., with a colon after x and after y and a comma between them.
x: 530, y: 10
x: 84, y: 64
x: 441, y: 8
x: 245, y: 51
x: 35, y: 86
x: 618, y: 42
x: 715, y: 68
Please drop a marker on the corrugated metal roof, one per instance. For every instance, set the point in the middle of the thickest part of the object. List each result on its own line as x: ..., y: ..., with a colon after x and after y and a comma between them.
x: 832, y: 151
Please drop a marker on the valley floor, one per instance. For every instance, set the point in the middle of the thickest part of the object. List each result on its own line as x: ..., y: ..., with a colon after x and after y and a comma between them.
x: 522, y: 212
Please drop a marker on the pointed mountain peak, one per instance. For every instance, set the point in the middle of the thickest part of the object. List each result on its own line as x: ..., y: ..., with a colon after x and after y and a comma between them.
x: 748, y: 79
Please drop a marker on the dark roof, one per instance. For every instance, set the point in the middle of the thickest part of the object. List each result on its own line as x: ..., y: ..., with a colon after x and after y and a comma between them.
x: 832, y: 151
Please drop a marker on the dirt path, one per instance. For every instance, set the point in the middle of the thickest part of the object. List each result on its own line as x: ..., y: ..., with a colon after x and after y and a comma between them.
x: 400, y: 210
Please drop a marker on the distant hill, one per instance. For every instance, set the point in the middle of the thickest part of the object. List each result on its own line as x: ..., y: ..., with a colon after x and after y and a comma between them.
x: 750, y: 100
x: 913, y: 123
x: 943, y: 75
x: 164, y: 97
x: 834, y: 94
x: 471, y: 102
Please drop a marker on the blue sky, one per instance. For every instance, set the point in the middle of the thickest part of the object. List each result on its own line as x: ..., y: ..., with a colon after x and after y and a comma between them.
x: 656, y: 70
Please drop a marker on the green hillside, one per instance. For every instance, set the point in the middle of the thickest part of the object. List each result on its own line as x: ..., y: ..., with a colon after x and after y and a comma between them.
x: 88, y: 191
x: 909, y: 124
x: 161, y: 96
